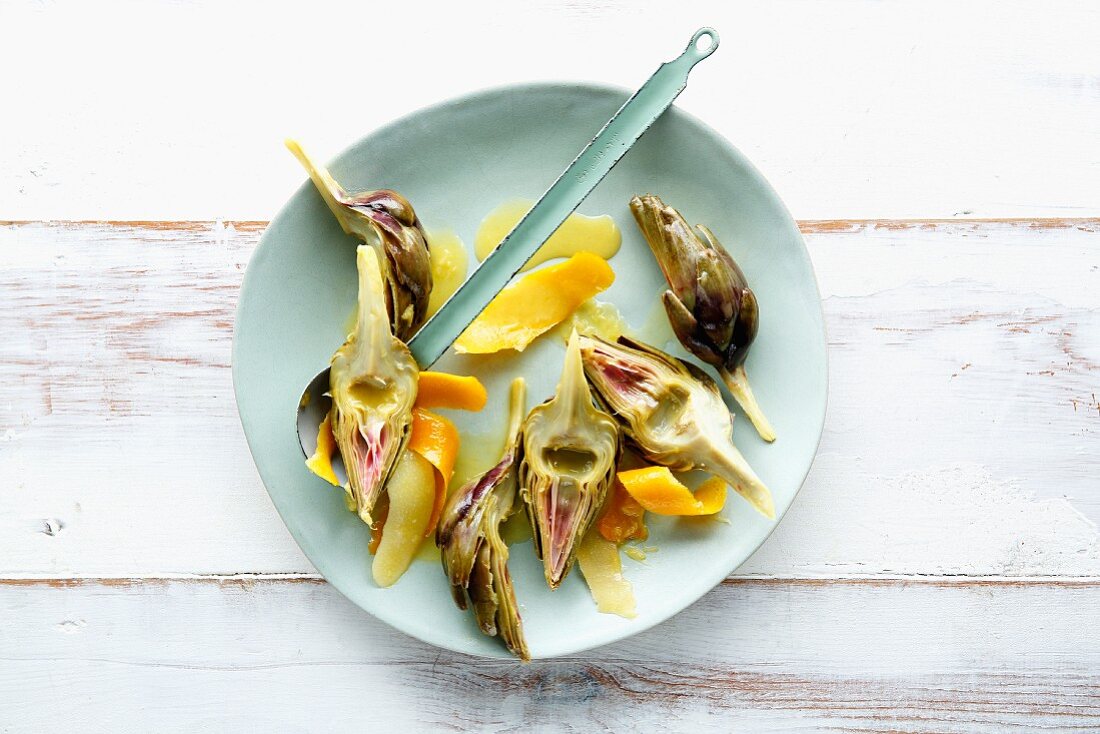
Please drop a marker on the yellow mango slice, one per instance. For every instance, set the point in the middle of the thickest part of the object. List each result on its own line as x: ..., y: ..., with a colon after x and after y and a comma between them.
x: 412, y: 491
x: 603, y: 572
x: 535, y: 304
x: 441, y: 390
x: 599, y: 235
x: 623, y: 517
x: 321, y: 461
x: 659, y: 492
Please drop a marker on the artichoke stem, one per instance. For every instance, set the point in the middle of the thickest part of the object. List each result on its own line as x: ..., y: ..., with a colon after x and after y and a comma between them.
x: 333, y: 194
x: 573, y: 387
x: 738, y: 383
x: 517, y: 404
x: 373, y: 323
x: 728, y: 463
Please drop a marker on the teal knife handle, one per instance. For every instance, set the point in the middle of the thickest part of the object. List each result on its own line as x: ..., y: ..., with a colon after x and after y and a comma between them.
x: 560, y: 200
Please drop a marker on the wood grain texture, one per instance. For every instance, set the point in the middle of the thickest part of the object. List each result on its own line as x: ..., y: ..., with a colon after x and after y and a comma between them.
x: 753, y: 655
x: 124, y: 456
x: 851, y: 108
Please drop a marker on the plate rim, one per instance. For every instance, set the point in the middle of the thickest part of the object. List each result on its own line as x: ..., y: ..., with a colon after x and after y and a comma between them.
x: 711, y: 581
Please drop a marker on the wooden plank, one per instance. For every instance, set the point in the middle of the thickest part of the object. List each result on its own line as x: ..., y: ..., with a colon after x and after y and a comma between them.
x: 981, y: 337
x: 759, y: 655
x: 852, y: 109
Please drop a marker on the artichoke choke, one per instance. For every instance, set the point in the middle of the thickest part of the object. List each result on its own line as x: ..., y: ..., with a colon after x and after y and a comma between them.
x: 570, y: 449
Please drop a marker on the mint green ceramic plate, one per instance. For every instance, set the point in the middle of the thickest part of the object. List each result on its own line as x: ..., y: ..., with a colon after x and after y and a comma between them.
x: 455, y: 162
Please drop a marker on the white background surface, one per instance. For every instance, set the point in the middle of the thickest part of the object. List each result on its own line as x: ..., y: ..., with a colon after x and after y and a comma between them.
x: 939, y: 571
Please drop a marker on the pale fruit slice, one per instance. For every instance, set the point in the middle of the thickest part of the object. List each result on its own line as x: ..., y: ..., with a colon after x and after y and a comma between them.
x: 412, y: 490
x: 603, y: 571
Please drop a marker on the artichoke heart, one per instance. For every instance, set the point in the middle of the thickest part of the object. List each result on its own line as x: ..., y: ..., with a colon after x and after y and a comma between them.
x: 385, y: 220
x: 672, y: 411
x: 710, y: 306
x: 570, y: 448
x: 373, y: 383
x: 475, y: 557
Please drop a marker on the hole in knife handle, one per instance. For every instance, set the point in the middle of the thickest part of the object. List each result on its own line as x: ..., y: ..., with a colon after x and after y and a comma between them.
x: 704, y: 42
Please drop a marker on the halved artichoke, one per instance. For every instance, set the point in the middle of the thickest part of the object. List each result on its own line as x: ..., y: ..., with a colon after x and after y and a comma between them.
x: 710, y: 306
x: 386, y: 221
x: 475, y: 557
x: 672, y: 411
x: 373, y: 383
x: 570, y: 448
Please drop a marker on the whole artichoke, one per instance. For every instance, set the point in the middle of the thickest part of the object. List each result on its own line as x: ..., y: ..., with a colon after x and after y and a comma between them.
x: 386, y: 221
x: 672, y: 412
x: 710, y: 306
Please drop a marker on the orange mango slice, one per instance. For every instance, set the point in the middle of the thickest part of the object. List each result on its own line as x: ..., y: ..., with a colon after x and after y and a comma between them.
x: 659, y: 492
x: 436, y: 439
x: 321, y: 461
x: 623, y: 518
x: 440, y: 390
x: 535, y: 303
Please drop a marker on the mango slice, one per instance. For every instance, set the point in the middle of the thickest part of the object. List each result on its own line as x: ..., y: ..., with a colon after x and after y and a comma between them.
x: 441, y: 390
x: 321, y: 461
x: 659, y: 492
x: 603, y: 572
x: 435, y: 439
x: 535, y: 304
x: 623, y: 518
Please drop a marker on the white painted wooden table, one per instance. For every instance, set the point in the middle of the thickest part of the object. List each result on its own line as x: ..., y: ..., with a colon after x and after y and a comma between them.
x: 940, y: 570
